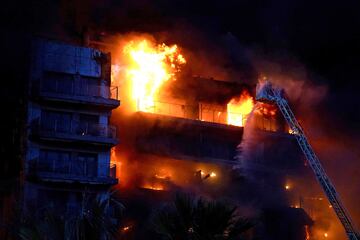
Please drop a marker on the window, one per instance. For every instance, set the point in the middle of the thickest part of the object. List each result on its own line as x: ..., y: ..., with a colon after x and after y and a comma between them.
x: 58, y: 83
x: 85, y: 164
x: 54, y: 161
x: 212, y: 113
x: 88, y: 125
x: 89, y: 86
x: 56, y: 121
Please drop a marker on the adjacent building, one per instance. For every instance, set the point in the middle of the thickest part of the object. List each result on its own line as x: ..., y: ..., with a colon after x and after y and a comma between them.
x: 70, y: 99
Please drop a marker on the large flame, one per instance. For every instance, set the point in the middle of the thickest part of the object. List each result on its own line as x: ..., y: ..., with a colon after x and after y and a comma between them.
x: 239, y: 108
x: 150, y: 67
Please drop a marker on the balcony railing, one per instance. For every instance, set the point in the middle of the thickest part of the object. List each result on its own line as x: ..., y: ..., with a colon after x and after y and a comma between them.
x: 68, y: 173
x: 74, y: 128
x: 164, y: 108
x: 73, y: 89
x: 196, y: 112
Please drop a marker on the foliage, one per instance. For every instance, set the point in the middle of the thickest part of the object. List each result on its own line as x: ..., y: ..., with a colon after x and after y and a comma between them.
x: 189, y: 219
x: 94, y: 220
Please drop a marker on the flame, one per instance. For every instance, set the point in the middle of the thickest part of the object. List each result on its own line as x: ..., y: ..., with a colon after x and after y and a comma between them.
x: 239, y: 108
x: 160, y: 176
x: 266, y: 110
x: 290, y: 131
x: 155, y: 187
x: 307, y: 232
x: 150, y: 67
x: 125, y: 229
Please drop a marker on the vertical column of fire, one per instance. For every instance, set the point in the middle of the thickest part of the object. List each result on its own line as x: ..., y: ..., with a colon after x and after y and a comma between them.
x: 150, y: 66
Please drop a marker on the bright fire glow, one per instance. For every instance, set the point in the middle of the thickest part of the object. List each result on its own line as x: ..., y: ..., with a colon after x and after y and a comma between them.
x: 212, y: 174
x: 307, y: 232
x: 155, y: 187
x: 291, y: 131
x: 150, y: 67
x: 266, y: 110
x: 127, y: 228
x: 239, y: 108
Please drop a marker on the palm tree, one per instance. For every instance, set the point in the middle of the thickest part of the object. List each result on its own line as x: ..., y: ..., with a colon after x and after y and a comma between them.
x: 188, y: 219
x: 94, y: 221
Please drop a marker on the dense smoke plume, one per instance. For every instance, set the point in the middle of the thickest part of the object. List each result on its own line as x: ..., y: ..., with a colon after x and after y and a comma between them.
x: 308, y: 94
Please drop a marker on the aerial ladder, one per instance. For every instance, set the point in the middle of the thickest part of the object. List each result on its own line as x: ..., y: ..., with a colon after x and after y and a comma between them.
x: 266, y: 93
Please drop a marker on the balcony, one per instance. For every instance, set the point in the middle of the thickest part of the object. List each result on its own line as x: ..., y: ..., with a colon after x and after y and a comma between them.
x: 71, y: 92
x: 48, y: 173
x: 210, y: 113
x: 74, y: 131
x: 187, y: 139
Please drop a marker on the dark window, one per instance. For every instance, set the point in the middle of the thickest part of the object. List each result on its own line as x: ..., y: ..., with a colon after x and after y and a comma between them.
x: 56, y: 121
x: 89, y: 124
x: 54, y: 161
x: 62, y: 164
x: 44, y: 163
x: 89, y: 86
x: 58, y: 83
x: 85, y: 165
x: 88, y: 118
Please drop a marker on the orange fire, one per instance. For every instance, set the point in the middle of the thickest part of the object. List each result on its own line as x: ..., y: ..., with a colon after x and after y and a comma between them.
x: 239, y: 108
x: 307, y: 232
x: 150, y: 67
x: 266, y: 110
x: 155, y: 187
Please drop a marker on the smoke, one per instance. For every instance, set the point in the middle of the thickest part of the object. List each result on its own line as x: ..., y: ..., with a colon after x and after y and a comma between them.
x: 308, y: 95
x: 312, y: 101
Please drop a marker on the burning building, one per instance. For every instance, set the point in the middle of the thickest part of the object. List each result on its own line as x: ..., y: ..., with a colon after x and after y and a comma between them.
x: 188, y: 133
x: 177, y: 131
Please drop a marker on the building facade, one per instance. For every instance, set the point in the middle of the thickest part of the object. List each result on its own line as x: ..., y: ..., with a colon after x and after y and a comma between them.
x: 69, y: 137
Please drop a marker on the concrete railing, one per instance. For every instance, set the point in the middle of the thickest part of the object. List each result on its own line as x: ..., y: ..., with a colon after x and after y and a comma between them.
x: 49, y: 171
x: 74, y: 127
x: 87, y: 90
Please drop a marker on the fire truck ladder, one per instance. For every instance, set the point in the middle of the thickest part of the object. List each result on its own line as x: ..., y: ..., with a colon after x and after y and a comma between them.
x: 265, y: 92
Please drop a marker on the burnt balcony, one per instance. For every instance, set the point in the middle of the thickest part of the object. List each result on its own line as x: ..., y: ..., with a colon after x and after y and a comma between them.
x: 54, y: 171
x: 74, y: 131
x: 77, y: 93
